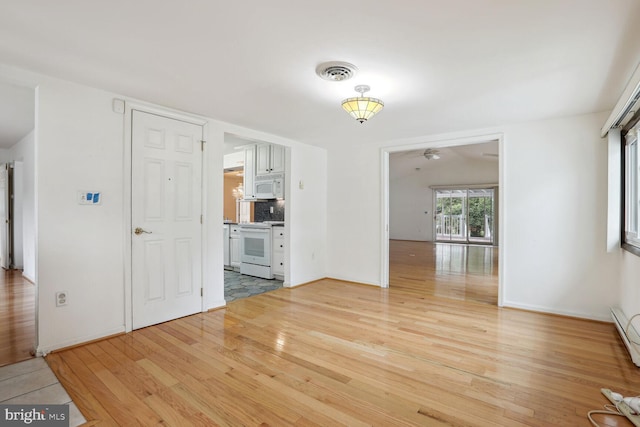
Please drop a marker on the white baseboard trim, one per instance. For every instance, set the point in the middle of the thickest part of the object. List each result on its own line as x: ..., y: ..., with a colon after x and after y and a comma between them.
x: 355, y: 280
x: 541, y: 309
x: 46, y: 349
x: 621, y: 321
x: 290, y: 286
x: 216, y: 304
x: 29, y: 278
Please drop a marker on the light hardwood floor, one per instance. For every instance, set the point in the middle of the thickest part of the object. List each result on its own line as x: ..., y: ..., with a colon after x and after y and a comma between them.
x: 17, y: 317
x: 448, y: 270
x: 335, y: 353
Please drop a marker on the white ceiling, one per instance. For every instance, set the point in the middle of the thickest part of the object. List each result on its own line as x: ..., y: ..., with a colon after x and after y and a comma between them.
x: 17, y: 113
x: 406, y: 162
x: 438, y: 65
x: 233, y: 142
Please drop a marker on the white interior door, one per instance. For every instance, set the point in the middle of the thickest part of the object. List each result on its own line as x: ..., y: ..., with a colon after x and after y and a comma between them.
x: 166, y: 212
x: 5, y: 262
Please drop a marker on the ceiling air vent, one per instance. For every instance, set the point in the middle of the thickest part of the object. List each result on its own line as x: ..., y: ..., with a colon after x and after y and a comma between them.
x: 336, y: 71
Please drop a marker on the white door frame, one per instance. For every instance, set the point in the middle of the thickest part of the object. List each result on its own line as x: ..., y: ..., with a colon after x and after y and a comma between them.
x: 128, y: 167
x: 441, y: 143
x: 5, y: 217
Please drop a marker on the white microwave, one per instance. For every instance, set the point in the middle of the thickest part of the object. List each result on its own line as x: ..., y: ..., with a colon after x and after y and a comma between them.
x: 269, y: 186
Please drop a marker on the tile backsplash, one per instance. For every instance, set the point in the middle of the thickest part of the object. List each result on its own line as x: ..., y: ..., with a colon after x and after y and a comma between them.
x: 262, y: 210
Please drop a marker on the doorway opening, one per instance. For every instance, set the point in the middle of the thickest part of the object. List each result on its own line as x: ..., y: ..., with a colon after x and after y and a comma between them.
x: 18, y: 290
x: 249, y: 167
x: 464, y: 215
x: 441, y: 228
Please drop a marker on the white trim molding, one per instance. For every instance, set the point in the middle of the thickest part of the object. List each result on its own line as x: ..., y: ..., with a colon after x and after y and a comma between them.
x: 441, y: 141
x: 624, y: 108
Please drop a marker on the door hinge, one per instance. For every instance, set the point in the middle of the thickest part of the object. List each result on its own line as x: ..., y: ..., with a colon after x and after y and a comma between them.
x: 201, y: 292
x: 202, y: 142
x: 201, y: 219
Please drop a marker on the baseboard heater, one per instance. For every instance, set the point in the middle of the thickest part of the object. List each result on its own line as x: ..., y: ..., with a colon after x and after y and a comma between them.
x: 629, y: 337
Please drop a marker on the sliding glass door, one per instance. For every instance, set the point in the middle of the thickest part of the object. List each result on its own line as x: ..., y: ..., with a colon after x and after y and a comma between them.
x: 451, y: 222
x: 480, y: 215
x: 464, y: 215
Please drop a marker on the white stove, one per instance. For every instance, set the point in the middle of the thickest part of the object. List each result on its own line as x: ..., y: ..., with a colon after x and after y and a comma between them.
x: 255, y: 258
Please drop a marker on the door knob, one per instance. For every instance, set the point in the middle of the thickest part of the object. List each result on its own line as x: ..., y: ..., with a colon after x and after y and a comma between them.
x: 139, y: 231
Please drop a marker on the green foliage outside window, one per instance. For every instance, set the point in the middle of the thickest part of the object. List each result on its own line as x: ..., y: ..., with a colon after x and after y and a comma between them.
x: 479, y: 207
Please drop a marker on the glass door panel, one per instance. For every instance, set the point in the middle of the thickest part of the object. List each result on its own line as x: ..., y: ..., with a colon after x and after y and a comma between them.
x: 481, y: 215
x: 441, y: 215
x: 450, y: 217
x: 458, y: 216
x: 464, y: 215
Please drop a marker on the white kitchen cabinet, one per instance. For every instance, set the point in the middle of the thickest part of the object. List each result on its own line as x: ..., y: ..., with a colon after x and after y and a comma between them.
x: 225, y: 242
x: 269, y: 159
x: 263, y: 160
x: 277, y: 158
x: 249, y: 172
x: 235, y: 248
x: 277, y: 252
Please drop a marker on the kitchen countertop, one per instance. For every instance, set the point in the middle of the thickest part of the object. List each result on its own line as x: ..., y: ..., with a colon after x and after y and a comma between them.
x: 264, y: 224
x: 259, y: 224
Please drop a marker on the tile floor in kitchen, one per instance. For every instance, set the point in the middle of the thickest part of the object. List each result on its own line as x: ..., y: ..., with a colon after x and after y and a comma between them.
x: 238, y: 285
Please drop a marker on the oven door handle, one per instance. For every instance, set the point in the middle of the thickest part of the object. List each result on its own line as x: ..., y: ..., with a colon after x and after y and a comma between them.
x: 255, y: 230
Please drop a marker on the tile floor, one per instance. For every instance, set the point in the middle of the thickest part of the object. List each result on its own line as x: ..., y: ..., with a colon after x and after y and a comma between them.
x: 33, y: 382
x: 238, y: 285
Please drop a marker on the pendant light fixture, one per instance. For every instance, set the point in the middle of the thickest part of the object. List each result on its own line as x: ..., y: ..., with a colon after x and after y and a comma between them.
x: 362, y: 108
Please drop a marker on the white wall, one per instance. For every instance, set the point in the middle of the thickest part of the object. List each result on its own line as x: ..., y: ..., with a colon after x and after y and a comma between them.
x: 306, y: 214
x: 354, y: 206
x: 5, y: 155
x: 80, y: 247
x: 555, y: 220
x: 554, y: 190
x: 410, y: 196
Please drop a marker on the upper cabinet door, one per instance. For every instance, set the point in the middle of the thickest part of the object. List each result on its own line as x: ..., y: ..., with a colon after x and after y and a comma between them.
x: 263, y: 160
x: 277, y: 158
x: 249, y: 172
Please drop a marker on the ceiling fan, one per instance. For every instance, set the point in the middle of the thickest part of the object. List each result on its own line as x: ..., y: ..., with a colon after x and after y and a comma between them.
x: 429, y: 153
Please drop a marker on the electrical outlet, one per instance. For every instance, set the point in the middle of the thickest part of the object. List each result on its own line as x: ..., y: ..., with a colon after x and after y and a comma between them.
x: 61, y: 298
